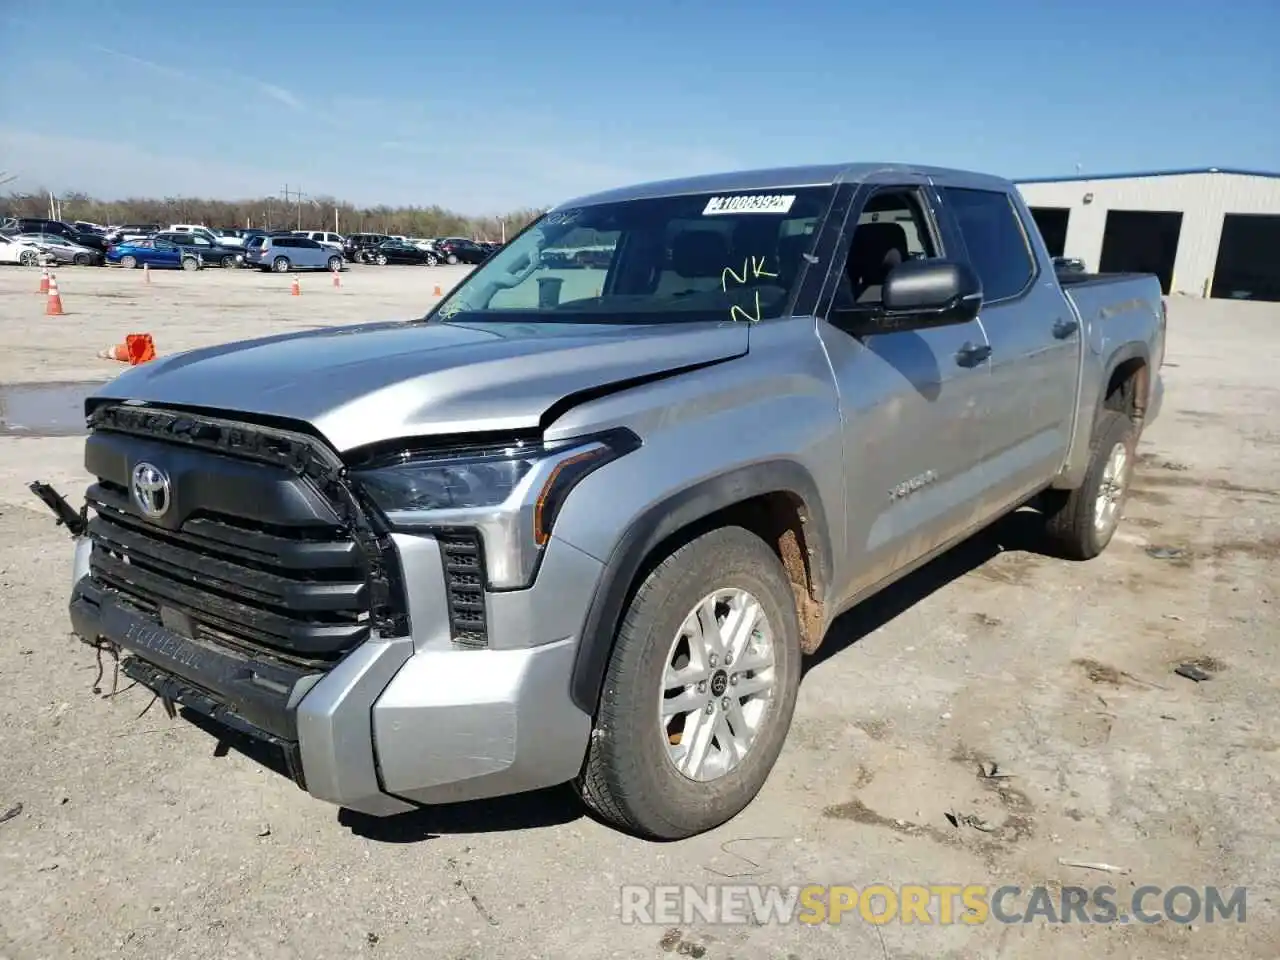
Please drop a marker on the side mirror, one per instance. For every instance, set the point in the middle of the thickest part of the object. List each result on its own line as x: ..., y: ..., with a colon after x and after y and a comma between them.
x: 930, y: 293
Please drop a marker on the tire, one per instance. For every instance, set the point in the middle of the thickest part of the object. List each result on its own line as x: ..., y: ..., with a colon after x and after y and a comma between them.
x: 128, y: 262
x: 451, y: 259
x: 82, y: 260
x: 432, y: 260
x: 630, y: 777
x: 280, y: 264
x: 335, y: 264
x: 380, y: 259
x: 228, y: 263
x: 29, y: 258
x: 1077, y: 525
x: 190, y: 263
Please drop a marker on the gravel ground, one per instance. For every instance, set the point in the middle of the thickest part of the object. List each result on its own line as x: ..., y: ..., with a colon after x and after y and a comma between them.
x: 139, y: 837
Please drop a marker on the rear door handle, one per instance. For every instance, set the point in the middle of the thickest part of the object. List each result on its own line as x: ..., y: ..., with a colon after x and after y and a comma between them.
x: 1064, y: 328
x: 970, y: 355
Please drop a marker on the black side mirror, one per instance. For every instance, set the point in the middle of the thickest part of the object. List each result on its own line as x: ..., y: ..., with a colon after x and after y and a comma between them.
x: 918, y: 294
x: 931, y: 293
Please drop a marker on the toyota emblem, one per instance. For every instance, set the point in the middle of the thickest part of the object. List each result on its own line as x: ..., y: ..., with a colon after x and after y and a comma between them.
x: 151, y: 490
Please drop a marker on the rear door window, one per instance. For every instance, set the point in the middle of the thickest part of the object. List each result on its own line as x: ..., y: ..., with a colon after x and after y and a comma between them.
x: 995, y: 239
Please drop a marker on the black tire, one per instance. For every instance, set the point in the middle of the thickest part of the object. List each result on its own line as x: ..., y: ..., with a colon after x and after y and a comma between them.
x: 83, y: 260
x: 432, y: 260
x: 229, y: 262
x: 380, y: 259
x: 335, y: 264
x: 1070, y: 527
x: 29, y: 258
x: 280, y: 264
x: 628, y: 779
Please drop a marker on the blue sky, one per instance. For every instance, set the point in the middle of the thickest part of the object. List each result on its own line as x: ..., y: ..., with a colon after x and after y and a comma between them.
x: 493, y: 104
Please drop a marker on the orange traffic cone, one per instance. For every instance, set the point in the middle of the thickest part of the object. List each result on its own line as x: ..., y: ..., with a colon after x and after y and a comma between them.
x: 436, y: 292
x: 295, y: 289
x: 53, y: 306
x: 137, y: 348
x: 44, y: 280
x: 337, y: 280
x: 146, y: 273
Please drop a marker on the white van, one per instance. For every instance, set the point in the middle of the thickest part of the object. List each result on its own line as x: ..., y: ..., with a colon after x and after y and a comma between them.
x: 196, y: 229
x: 333, y: 240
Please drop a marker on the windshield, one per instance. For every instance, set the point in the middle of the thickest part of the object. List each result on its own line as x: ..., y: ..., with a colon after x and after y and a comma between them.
x: 663, y: 260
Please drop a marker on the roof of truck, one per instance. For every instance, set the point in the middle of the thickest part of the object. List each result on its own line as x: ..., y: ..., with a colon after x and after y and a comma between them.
x: 778, y: 178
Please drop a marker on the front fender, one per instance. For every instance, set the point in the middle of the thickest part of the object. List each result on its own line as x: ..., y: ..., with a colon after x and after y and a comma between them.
x: 666, y: 518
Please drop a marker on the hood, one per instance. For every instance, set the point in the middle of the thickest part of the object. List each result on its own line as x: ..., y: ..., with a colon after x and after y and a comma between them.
x: 368, y: 383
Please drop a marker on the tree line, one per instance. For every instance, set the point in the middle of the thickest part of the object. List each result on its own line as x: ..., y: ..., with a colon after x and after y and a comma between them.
x: 272, y: 213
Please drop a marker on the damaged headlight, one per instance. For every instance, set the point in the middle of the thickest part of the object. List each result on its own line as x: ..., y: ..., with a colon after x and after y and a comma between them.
x: 510, y: 494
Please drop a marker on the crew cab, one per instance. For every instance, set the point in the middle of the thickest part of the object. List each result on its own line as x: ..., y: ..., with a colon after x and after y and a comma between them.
x: 582, y: 525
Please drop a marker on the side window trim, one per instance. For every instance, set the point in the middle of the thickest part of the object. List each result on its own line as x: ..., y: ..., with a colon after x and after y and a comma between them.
x: 1033, y: 277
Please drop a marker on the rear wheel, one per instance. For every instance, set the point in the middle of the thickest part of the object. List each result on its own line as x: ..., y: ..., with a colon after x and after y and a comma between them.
x: 335, y: 264
x: 432, y: 260
x: 1080, y: 523
x: 29, y: 258
x: 128, y: 262
x: 451, y: 259
x: 190, y: 263
x: 83, y: 260
x: 380, y: 259
x: 228, y: 262
x: 699, y: 692
x: 280, y: 264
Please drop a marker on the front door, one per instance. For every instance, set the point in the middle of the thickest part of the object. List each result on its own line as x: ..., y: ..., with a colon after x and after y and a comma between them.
x: 1035, y: 343
x: 909, y: 400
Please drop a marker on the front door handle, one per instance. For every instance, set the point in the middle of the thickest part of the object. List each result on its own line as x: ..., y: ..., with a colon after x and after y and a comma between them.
x: 970, y: 355
x: 1064, y: 328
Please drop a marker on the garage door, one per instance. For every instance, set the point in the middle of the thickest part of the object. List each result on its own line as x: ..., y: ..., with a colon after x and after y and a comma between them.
x: 1248, y: 265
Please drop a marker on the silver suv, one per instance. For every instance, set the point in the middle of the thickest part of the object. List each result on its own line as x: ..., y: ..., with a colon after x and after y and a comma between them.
x: 283, y: 254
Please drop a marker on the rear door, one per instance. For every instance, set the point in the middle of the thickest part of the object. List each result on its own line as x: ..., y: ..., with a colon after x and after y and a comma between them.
x: 164, y: 254
x: 1034, y: 336
x: 908, y: 398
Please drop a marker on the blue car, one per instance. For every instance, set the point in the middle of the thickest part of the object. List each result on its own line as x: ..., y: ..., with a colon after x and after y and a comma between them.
x: 154, y: 253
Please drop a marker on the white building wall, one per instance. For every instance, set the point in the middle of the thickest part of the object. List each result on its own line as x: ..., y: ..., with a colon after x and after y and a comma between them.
x: 1202, y: 198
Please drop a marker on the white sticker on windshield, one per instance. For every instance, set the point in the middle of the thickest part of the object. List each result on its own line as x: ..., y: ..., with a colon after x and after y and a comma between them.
x: 750, y: 203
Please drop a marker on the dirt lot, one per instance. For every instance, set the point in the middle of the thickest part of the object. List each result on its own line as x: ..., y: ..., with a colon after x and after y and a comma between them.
x: 137, y: 837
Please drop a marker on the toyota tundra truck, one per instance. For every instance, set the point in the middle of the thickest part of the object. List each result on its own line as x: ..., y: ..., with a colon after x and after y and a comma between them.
x: 581, y: 523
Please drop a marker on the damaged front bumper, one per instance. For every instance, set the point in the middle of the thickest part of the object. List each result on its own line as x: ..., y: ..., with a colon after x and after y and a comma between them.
x: 397, y: 722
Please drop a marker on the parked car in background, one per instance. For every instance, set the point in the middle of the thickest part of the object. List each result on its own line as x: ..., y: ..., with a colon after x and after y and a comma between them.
x: 230, y: 238
x: 24, y: 225
x: 131, y: 231
x: 401, y: 251
x: 24, y: 252
x: 1068, y: 265
x: 84, y: 226
x: 459, y: 250
x: 161, y: 254
x: 62, y: 250
x: 358, y: 242
x: 213, y: 254
x: 193, y: 229
x: 286, y: 253
x: 323, y: 238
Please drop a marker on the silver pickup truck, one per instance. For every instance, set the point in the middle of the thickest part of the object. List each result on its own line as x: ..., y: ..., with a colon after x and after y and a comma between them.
x: 581, y: 522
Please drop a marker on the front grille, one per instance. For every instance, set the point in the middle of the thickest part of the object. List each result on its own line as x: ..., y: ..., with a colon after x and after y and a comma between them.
x: 464, y: 587
x: 304, y: 587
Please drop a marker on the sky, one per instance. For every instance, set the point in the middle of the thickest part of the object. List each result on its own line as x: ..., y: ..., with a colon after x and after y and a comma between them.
x: 492, y: 105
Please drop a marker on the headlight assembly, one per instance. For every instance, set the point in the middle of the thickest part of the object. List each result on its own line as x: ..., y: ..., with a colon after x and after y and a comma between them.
x: 510, y: 494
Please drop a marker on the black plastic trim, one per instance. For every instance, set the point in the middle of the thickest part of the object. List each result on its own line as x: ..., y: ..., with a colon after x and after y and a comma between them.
x: 661, y: 521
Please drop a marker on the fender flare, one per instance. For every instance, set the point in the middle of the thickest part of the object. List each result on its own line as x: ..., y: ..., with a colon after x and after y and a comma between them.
x: 1134, y: 350
x: 662, y: 520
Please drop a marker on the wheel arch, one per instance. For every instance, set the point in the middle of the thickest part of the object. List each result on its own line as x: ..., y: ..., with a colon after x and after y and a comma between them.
x: 776, y: 499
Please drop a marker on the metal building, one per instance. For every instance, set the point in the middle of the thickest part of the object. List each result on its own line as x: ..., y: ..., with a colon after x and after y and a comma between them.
x: 1212, y: 232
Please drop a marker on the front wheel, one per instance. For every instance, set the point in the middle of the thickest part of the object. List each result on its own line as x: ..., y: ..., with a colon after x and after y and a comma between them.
x: 29, y: 258
x: 128, y: 262
x: 190, y: 263
x: 83, y: 260
x: 229, y: 262
x: 335, y: 264
x: 280, y: 264
x: 1080, y: 523
x: 700, y: 690
x: 451, y: 259
x: 381, y: 259
x: 432, y: 260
